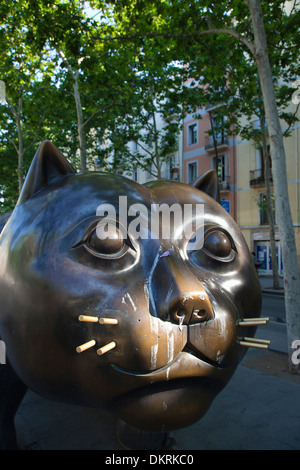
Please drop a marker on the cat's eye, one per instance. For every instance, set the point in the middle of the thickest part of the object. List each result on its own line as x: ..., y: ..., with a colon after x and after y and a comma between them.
x: 217, y: 244
x: 112, y: 245
x: 106, y: 241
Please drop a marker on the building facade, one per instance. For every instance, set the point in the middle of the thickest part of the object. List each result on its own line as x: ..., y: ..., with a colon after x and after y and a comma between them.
x: 251, y: 195
x: 240, y: 171
x: 202, y: 151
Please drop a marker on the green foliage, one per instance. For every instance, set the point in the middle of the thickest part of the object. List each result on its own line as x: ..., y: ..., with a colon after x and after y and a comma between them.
x: 132, y: 60
x: 9, y: 180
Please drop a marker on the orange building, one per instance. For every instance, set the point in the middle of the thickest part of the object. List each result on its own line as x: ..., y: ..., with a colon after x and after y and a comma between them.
x: 206, y: 146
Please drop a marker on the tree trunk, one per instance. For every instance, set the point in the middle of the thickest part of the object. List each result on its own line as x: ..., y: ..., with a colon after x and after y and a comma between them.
x: 156, y: 159
x: 214, y: 140
x: 20, y: 146
x: 283, y: 212
x: 269, y: 203
x: 80, y: 126
x: 80, y: 123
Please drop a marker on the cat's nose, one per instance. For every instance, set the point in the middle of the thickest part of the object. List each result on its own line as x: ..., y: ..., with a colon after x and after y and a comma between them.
x: 178, y: 295
x: 189, y: 308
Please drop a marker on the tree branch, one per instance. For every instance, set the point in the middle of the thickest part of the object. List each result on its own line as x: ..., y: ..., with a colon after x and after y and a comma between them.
x: 64, y: 58
x: 287, y: 130
x: 145, y: 150
x: 14, y: 112
x: 143, y: 165
x: 13, y: 143
x: 36, y: 133
x: 228, y: 31
x: 98, y: 112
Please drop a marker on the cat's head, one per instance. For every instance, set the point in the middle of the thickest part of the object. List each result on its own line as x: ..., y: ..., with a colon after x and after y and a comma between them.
x: 143, y: 324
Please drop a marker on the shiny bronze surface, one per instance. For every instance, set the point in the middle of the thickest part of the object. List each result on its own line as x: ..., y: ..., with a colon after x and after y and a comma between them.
x: 146, y: 328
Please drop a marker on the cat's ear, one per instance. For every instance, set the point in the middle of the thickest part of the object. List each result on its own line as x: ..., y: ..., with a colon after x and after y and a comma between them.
x: 47, y: 165
x: 208, y: 183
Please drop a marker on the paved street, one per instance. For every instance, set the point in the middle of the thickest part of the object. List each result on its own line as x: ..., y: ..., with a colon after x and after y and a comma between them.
x: 273, y: 307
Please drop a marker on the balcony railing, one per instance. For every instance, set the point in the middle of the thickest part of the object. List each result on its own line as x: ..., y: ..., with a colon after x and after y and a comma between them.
x: 257, y: 178
x: 221, y: 143
x: 213, y: 106
x: 224, y: 185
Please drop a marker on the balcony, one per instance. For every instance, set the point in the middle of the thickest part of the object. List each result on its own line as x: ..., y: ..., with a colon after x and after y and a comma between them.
x: 224, y: 185
x: 213, y: 106
x: 257, y: 178
x: 221, y: 143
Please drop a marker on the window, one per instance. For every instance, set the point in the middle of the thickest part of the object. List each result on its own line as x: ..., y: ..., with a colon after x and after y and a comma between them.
x: 135, y: 174
x: 171, y: 166
x: 192, y: 172
x: 192, y: 134
x: 149, y: 171
x: 135, y: 146
x: 262, y: 204
x: 217, y: 127
x: 220, y: 167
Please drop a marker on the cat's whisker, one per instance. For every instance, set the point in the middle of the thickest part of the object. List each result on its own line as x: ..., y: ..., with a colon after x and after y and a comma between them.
x: 88, y: 318
x: 106, y: 348
x: 256, y: 340
x: 254, y: 343
x: 253, y: 321
x: 108, y: 321
x: 85, y: 346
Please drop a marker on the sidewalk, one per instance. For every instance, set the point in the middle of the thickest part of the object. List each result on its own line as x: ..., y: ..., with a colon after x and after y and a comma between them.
x: 266, y: 283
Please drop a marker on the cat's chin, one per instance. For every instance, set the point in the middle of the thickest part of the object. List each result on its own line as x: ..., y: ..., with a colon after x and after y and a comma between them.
x: 174, y: 396
x: 168, y: 406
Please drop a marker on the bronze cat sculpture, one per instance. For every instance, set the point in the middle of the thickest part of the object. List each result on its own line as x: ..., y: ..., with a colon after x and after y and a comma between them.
x: 146, y: 328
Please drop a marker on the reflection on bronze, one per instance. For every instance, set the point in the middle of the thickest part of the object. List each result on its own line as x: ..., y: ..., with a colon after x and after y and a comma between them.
x: 146, y: 328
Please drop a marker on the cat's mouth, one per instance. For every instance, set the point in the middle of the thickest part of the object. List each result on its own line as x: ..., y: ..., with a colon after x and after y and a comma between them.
x: 194, y: 359
x: 196, y: 353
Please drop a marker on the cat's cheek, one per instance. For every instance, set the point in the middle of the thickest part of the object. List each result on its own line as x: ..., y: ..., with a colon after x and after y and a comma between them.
x: 216, y: 340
